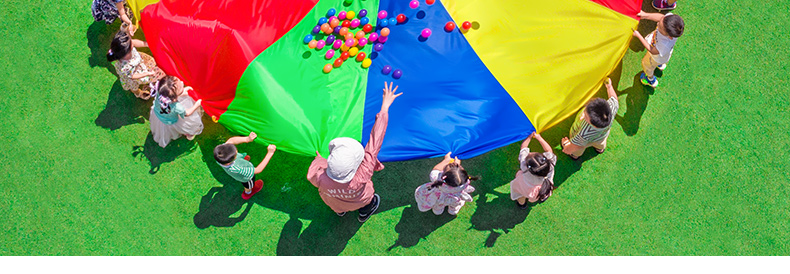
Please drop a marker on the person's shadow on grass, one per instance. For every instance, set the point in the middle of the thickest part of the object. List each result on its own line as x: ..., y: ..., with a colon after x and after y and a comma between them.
x: 157, y: 155
x: 415, y: 225
x: 99, y: 36
x: 636, y: 100
x: 122, y: 109
x: 217, y: 207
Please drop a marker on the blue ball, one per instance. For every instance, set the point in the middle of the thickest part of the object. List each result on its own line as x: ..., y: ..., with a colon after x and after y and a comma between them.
x: 337, y: 30
x: 364, y: 21
x: 331, y: 12
x: 322, y: 20
x: 383, y: 23
x: 393, y: 22
x: 308, y: 38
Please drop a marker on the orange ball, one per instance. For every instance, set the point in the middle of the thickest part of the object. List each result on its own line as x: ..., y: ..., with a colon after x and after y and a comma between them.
x: 349, y: 36
x: 343, y: 31
x: 327, y: 68
x: 360, y: 35
x: 385, y: 32
x: 334, y: 23
x: 312, y: 44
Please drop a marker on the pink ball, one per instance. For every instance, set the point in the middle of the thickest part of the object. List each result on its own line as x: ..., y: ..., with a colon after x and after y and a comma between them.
x: 321, y: 44
x: 329, y: 54
x: 373, y: 37
x: 350, y: 42
x: 425, y: 33
x: 382, y: 14
x: 341, y: 15
x: 354, y: 23
x: 331, y: 18
x: 337, y: 44
x: 383, y: 39
x: 414, y: 4
x: 363, y: 42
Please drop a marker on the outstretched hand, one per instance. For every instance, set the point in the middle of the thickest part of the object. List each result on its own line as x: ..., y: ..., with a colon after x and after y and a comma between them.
x: 389, y: 96
x: 608, y: 83
x: 252, y: 136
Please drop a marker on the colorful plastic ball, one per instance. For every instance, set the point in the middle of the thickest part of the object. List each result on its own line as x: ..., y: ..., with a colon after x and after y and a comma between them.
x: 400, y: 18
x: 362, y: 13
x: 334, y: 23
x: 364, y: 21
x: 360, y: 34
x: 392, y: 21
x: 327, y: 68
x: 383, y: 39
x: 466, y: 25
x: 450, y: 26
x: 346, y: 24
x: 350, y: 42
x: 373, y: 37
x: 337, y: 30
x: 397, y: 74
x: 330, y: 39
x: 366, y: 63
x: 367, y: 28
x: 353, y: 52
x: 338, y: 62
x: 337, y: 44
x: 316, y: 29
x: 414, y: 4
x: 363, y: 42
x: 341, y: 15
x: 350, y: 14
x: 378, y: 47
x: 382, y: 14
x: 344, y: 55
x: 214, y: 118
x: 385, y: 32
x: 308, y: 38
x: 320, y: 45
x: 332, y: 17
x: 329, y: 54
x: 312, y: 44
x: 344, y: 48
x: 386, y: 69
x: 343, y: 31
x: 425, y: 33
x: 383, y: 22
x: 356, y: 42
x: 360, y: 56
x: 348, y: 36
x: 322, y: 20
x: 354, y: 23
x: 331, y: 12
x: 429, y: 2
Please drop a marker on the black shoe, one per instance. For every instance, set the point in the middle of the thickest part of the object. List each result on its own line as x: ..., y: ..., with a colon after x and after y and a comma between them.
x: 341, y: 214
x: 524, y: 206
x: 376, y: 201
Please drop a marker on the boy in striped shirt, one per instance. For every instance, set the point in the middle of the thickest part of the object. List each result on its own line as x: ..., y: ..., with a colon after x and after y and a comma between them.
x: 592, y: 124
x: 237, y: 164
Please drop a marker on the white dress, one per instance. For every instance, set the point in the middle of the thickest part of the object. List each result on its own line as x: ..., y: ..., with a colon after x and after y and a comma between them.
x: 164, y: 130
x: 442, y: 196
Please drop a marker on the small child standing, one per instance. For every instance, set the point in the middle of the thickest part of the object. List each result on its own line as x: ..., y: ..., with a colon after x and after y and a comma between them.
x: 135, y: 70
x: 659, y: 44
x: 534, y: 181
x: 174, y: 113
x: 592, y: 124
x: 449, y: 187
x: 237, y: 164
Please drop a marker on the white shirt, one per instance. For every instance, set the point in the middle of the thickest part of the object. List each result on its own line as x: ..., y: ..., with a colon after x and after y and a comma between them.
x: 664, y: 44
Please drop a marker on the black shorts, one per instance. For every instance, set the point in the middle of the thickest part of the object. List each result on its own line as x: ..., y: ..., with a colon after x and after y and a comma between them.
x: 249, y: 184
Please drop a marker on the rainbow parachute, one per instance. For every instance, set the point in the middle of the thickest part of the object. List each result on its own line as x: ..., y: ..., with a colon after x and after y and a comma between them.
x: 524, y: 66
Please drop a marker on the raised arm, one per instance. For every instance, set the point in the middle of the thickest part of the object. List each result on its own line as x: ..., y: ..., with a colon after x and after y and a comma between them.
x: 242, y: 139
x: 655, y: 17
x: 545, y: 145
x: 139, y: 43
x: 270, y: 152
x: 609, y: 88
x: 525, y: 144
x: 447, y: 159
x: 124, y: 17
x: 193, y: 108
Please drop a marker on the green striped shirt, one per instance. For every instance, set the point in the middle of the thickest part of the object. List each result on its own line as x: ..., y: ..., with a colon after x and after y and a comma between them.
x: 584, y: 133
x: 241, y: 170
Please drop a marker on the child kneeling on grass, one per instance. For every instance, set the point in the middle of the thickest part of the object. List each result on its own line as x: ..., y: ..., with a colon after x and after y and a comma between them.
x: 449, y: 187
x: 237, y: 164
x: 534, y: 181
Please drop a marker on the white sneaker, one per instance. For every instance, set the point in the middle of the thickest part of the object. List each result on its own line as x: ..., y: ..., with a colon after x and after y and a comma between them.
x: 662, y: 67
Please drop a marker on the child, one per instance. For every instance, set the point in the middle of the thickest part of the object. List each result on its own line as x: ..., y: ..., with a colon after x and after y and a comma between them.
x: 591, y: 126
x: 449, y: 187
x: 344, y: 178
x: 535, y: 179
x: 109, y: 10
x: 174, y: 112
x: 664, y: 4
x: 135, y: 70
x: 241, y: 169
x: 661, y: 42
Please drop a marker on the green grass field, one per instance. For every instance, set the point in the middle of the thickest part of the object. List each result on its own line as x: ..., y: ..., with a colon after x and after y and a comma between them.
x: 697, y: 167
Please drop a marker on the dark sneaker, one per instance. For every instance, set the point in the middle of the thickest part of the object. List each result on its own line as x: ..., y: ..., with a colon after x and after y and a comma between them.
x: 376, y: 201
x: 255, y: 188
x: 663, y: 5
x: 647, y: 82
x: 524, y: 206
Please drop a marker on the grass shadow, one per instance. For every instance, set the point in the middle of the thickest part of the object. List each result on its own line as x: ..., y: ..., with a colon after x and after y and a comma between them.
x: 157, y: 155
x: 122, y: 109
x: 497, y: 215
x: 644, y: 27
x: 99, y: 36
x: 415, y: 225
x: 217, y: 207
x: 636, y: 100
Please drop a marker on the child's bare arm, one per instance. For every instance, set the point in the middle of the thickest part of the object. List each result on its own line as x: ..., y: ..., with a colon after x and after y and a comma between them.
x: 644, y: 42
x: 609, y: 88
x: 525, y: 144
x: 242, y: 139
x: 193, y: 108
x: 141, y: 75
x: 545, y: 145
x: 655, y: 17
x: 447, y: 159
x: 139, y: 44
x: 269, y: 154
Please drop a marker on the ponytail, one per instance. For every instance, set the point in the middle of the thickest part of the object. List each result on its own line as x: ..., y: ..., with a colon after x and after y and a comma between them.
x: 454, y: 175
x: 120, y: 46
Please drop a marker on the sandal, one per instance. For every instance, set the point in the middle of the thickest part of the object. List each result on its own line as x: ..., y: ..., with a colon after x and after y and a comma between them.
x: 600, y: 151
x: 565, y: 142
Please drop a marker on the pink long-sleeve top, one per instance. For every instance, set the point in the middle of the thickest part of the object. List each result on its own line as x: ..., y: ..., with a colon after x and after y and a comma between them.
x: 359, y: 191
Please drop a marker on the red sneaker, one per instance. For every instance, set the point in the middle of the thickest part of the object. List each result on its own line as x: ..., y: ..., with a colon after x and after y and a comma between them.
x: 247, y: 157
x: 255, y: 188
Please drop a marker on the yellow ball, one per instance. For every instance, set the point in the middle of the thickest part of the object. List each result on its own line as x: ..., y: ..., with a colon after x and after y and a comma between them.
x: 350, y: 15
x: 366, y: 63
x: 353, y: 52
x: 344, y: 47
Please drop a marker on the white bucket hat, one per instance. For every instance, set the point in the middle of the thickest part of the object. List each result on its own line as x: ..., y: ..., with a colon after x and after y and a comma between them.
x: 345, y: 155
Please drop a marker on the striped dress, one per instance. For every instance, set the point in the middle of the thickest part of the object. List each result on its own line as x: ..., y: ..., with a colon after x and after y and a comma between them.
x: 584, y: 133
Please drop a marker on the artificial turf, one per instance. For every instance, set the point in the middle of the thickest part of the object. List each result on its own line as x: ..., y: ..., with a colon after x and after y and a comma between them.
x: 698, y: 166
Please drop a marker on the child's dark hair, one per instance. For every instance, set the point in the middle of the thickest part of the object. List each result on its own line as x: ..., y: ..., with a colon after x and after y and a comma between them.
x: 674, y: 25
x: 167, y: 87
x: 225, y: 153
x: 120, y: 46
x: 539, y: 165
x: 599, y: 113
x: 454, y: 176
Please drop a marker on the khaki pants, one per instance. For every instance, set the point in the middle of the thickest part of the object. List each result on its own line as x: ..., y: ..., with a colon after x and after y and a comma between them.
x: 649, y: 65
x: 600, y: 145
